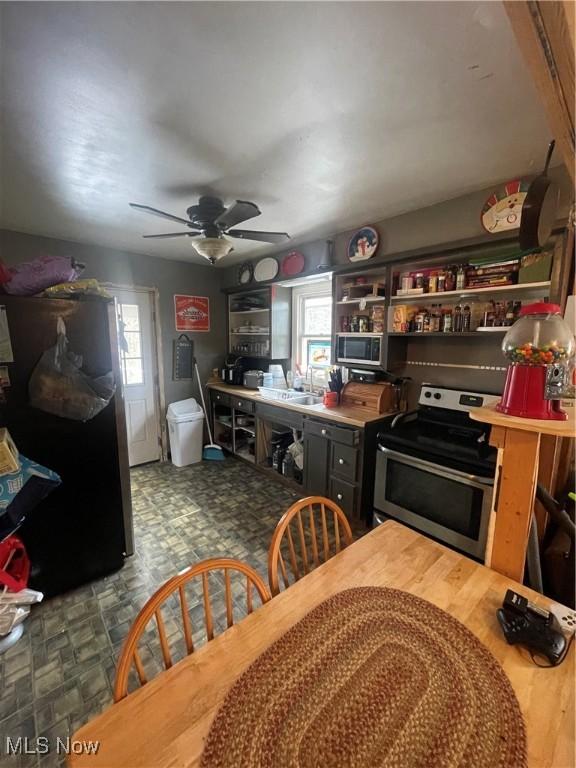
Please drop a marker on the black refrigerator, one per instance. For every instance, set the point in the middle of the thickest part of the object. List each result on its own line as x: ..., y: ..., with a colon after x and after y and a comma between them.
x: 83, y: 529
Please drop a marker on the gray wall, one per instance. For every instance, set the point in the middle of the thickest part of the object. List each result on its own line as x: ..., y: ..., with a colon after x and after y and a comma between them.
x: 450, y: 221
x: 169, y: 277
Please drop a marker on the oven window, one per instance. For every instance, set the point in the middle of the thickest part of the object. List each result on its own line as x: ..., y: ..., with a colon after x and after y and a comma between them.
x: 446, y: 502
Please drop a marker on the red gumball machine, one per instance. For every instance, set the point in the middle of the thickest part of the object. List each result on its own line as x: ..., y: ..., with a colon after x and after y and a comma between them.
x: 538, y: 340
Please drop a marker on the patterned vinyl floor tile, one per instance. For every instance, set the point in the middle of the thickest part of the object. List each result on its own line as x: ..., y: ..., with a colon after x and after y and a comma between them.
x: 61, y: 673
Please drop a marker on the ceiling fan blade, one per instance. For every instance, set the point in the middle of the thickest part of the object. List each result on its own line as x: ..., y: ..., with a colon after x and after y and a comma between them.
x: 162, y: 214
x: 176, y: 234
x: 235, y: 214
x: 265, y: 237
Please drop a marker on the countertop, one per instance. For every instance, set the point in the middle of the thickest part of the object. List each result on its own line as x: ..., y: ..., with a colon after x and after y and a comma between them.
x: 353, y: 417
x: 490, y: 415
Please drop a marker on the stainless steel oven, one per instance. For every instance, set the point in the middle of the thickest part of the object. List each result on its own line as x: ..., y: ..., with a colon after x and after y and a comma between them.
x: 364, y: 350
x: 445, y: 503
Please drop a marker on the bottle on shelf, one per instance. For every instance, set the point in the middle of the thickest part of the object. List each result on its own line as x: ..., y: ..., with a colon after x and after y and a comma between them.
x: 461, y: 278
x: 426, y: 321
x: 441, y: 282
x: 466, y: 317
x: 433, y: 284
x: 450, y: 280
x: 288, y: 465
x: 435, y: 318
x: 509, y: 317
x: 457, y: 319
x: 447, y: 321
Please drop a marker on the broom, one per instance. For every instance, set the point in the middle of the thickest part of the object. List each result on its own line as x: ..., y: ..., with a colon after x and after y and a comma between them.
x: 211, y: 452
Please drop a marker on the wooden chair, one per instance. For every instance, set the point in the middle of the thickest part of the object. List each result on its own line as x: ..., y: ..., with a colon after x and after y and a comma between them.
x: 301, y: 516
x: 130, y: 655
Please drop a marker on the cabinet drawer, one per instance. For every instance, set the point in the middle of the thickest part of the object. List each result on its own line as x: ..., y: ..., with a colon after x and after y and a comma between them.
x: 279, y: 415
x: 344, y: 494
x: 343, y: 461
x: 241, y: 404
x: 219, y: 398
x: 332, y: 432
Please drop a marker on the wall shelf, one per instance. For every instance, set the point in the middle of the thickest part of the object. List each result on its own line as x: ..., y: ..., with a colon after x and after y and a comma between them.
x: 469, y: 293
x: 366, y: 334
x: 248, y: 311
x: 367, y: 299
x: 441, y: 334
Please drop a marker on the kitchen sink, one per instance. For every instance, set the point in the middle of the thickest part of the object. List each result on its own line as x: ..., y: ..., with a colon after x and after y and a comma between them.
x: 311, y: 400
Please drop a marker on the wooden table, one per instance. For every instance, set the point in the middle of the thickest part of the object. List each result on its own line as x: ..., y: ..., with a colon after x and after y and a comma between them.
x: 518, y: 442
x: 163, y: 724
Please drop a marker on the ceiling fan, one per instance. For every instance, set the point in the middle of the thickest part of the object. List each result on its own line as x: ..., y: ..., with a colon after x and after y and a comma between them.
x: 209, y: 221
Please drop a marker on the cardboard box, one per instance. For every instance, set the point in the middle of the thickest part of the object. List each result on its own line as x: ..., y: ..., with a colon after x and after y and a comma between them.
x: 8, y: 454
x: 535, y: 268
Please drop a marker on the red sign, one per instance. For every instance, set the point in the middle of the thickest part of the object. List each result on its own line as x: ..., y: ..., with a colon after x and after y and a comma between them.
x: 192, y: 313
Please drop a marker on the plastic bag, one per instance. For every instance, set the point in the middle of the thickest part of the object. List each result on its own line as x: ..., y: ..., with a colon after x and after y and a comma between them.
x: 34, y: 276
x: 88, y: 287
x: 59, y: 386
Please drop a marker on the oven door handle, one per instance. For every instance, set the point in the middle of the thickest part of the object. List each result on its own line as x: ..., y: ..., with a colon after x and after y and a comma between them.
x: 437, y: 468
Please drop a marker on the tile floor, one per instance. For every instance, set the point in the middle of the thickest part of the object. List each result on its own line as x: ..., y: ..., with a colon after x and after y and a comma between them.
x: 61, y: 672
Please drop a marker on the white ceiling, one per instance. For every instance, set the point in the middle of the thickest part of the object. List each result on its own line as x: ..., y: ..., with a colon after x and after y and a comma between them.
x: 327, y: 115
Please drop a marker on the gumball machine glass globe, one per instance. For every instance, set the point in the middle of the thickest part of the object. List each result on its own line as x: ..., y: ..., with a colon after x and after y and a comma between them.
x: 540, y: 337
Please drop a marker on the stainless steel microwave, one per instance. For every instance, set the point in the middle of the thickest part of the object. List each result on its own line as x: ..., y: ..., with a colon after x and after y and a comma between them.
x: 355, y: 349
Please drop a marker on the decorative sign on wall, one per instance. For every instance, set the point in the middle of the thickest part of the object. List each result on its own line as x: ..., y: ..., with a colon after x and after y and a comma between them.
x: 192, y: 313
x: 502, y: 210
x: 363, y: 244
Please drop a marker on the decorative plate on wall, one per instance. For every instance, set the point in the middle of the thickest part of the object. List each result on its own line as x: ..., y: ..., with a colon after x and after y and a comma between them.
x: 266, y: 269
x: 292, y: 264
x: 246, y: 273
x: 363, y: 244
x: 502, y: 210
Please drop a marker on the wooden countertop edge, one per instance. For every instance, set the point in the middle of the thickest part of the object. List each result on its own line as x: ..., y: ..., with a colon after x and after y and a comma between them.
x: 490, y: 415
x: 355, y: 417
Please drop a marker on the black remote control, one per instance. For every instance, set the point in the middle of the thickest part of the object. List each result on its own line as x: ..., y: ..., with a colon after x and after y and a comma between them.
x: 537, y: 635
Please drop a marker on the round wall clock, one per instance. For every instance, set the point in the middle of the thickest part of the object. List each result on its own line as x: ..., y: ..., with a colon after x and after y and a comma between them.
x: 266, y: 269
x: 503, y: 209
x: 245, y: 273
x: 293, y: 263
x: 363, y: 244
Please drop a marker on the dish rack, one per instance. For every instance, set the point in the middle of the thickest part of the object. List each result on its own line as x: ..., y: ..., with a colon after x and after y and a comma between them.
x: 289, y: 395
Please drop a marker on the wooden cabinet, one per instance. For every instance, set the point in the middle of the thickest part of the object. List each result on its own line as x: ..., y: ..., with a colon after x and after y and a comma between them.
x: 338, y: 459
x: 259, y: 323
x: 332, y: 463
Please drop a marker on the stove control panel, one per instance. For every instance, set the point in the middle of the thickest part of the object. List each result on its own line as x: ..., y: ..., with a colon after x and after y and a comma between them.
x: 454, y: 399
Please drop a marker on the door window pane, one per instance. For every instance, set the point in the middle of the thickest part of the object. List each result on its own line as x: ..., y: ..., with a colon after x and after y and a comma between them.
x: 130, y: 342
x: 131, y: 316
x: 133, y: 345
x: 133, y: 371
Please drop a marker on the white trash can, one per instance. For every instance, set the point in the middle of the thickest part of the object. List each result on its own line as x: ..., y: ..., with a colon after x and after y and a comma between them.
x: 186, y: 430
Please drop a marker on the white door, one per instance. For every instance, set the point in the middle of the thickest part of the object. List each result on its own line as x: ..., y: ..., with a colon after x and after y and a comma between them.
x: 139, y: 373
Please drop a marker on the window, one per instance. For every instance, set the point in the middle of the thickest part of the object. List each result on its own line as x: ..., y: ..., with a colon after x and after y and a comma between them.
x: 130, y: 338
x: 312, y: 328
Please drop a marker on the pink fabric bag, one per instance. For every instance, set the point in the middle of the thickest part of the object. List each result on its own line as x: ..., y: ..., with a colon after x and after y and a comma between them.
x: 34, y: 276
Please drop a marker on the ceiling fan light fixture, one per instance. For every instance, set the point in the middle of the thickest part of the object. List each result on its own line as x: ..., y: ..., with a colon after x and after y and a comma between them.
x: 212, y: 248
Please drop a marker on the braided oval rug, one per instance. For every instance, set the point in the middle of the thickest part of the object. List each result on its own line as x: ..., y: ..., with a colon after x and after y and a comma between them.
x: 371, y: 677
